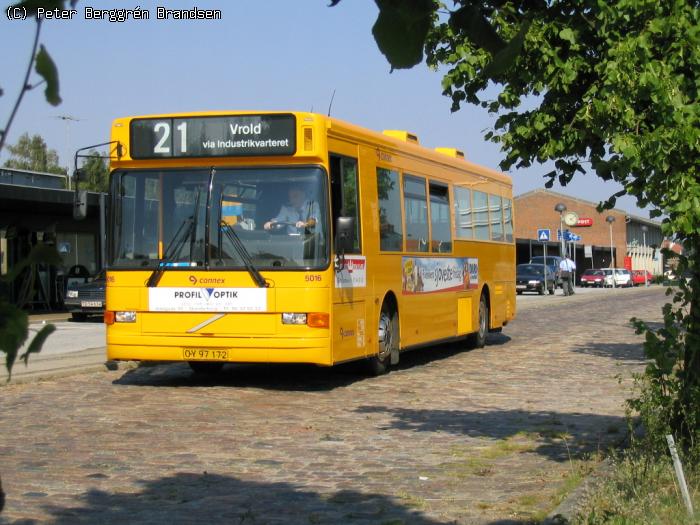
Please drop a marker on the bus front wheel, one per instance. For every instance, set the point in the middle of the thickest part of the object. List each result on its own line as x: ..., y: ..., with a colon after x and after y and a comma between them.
x: 387, y: 341
x: 478, y: 339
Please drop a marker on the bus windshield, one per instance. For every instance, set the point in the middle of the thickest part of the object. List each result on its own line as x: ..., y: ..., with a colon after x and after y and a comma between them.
x: 274, y: 218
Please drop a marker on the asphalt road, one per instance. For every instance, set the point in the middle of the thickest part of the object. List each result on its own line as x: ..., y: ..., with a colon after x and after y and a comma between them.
x: 452, y: 436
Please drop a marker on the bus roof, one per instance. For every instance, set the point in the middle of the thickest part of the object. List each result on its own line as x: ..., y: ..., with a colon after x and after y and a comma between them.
x: 340, y: 128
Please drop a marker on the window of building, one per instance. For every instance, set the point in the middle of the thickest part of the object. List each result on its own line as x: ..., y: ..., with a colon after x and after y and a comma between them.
x: 416, y: 206
x: 441, y: 232
x: 464, y: 224
x: 481, y: 216
x: 390, y: 221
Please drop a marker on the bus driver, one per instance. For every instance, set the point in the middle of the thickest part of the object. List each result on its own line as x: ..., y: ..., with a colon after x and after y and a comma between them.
x: 298, y: 213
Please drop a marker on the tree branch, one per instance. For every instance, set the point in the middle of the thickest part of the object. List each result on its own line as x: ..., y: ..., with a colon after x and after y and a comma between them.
x: 25, y: 85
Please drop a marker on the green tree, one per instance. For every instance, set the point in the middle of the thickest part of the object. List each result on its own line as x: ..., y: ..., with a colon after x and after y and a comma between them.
x: 602, y: 86
x: 31, y: 153
x: 94, y: 173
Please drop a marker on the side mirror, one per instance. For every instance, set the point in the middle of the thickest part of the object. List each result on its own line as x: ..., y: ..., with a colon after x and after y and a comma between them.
x: 344, y: 229
x: 80, y: 205
x: 79, y: 175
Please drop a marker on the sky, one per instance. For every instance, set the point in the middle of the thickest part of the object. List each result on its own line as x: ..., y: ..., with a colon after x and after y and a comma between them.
x: 262, y: 55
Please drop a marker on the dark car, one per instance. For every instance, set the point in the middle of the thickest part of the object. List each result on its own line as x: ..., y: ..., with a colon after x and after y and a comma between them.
x: 86, y: 299
x: 531, y: 278
x: 552, y: 263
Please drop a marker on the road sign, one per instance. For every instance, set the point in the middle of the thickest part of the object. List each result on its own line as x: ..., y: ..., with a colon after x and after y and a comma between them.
x: 568, y: 236
x: 543, y: 234
x: 588, y: 251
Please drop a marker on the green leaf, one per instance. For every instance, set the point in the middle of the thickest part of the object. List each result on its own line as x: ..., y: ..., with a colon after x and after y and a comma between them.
x: 39, y: 254
x: 32, y: 5
x: 37, y: 342
x: 506, y: 57
x: 13, y: 332
x: 568, y: 35
x: 472, y: 22
x: 401, y: 30
x: 47, y: 69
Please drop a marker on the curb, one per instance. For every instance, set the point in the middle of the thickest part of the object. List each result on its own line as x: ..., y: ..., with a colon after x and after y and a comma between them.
x: 43, y: 368
x: 569, y: 508
x: 566, y: 512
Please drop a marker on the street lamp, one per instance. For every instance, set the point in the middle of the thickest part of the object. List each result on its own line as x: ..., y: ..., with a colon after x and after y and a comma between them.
x: 645, y: 228
x: 68, y: 120
x: 610, y: 219
x: 561, y: 208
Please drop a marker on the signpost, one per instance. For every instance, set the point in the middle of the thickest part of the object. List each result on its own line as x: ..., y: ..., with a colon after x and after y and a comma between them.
x: 588, y: 253
x: 543, y: 237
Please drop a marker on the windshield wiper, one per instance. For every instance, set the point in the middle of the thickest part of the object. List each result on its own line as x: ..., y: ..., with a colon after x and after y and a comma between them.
x: 244, y: 255
x: 175, y: 245
x: 172, y: 249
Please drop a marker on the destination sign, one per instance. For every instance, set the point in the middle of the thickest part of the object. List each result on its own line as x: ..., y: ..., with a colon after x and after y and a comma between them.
x: 227, y: 136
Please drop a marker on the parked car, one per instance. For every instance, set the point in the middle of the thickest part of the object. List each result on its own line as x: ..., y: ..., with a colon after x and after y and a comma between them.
x: 623, y: 277
x: 593, y: 277
x: 638, y: 277
x: 83, y: 300
x: 552, y: 263
x: 531, y: 278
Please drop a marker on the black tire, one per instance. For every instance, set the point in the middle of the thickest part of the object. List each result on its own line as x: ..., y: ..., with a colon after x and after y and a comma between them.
x: 541, y: 290
x: 206, y: 367
x: 551, y: 291
x: 478, y: 339
x: 519, y: 292
x: 78, y: 316
x: 387, y: 341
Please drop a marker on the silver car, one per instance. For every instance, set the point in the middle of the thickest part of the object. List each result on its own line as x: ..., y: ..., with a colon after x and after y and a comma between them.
x: 623, y: 277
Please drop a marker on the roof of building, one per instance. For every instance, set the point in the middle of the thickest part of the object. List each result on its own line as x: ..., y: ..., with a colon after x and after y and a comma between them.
x: 635, y: 218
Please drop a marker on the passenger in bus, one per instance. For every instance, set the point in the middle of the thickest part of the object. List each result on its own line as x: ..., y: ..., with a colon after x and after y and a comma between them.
x: 300, y: 213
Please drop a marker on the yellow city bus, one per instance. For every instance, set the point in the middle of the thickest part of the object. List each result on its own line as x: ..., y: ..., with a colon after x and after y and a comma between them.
x: 297, y: 238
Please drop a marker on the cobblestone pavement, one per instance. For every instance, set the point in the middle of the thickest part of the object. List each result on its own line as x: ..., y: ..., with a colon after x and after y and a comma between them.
x: 452, y: 436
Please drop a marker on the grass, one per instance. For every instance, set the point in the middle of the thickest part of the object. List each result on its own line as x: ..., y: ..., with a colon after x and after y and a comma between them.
x: 642, y: 490
x: 415, y: 502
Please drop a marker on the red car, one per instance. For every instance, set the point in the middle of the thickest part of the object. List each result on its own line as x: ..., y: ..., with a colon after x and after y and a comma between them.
x: 638, y: 277
x: 593, y: 277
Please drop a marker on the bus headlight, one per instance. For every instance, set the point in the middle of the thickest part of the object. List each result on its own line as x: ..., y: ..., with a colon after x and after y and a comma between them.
x: 125, y: 317
x: 290, y: 318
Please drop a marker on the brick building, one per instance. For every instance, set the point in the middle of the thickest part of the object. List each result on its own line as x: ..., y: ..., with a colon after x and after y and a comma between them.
x: 536, y: 210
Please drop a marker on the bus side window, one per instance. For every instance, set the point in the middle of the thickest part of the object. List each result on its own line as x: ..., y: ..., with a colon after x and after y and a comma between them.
x: 441, y: 231
x: 390, y: 220
x: 344, y: 194
x: 416, y: 206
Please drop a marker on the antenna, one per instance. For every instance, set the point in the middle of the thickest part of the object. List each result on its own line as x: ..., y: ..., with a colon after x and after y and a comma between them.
x: 330, y: 105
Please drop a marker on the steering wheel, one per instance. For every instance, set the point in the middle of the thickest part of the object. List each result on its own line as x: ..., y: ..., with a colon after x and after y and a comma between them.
x: 279, y: 227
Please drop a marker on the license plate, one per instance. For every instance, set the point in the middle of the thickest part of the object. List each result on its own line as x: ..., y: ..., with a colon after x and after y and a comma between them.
x: 520, y: 286
x: 91, y: 304
x: 204, y: 354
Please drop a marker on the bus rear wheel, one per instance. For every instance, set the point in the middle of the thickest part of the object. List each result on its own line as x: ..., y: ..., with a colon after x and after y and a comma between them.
x: 206, y: 367
x: 478, y: 339
x: 387, y: 341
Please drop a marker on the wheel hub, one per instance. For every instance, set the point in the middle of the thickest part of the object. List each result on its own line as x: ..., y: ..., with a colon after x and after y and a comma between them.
x: 384, y: 336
